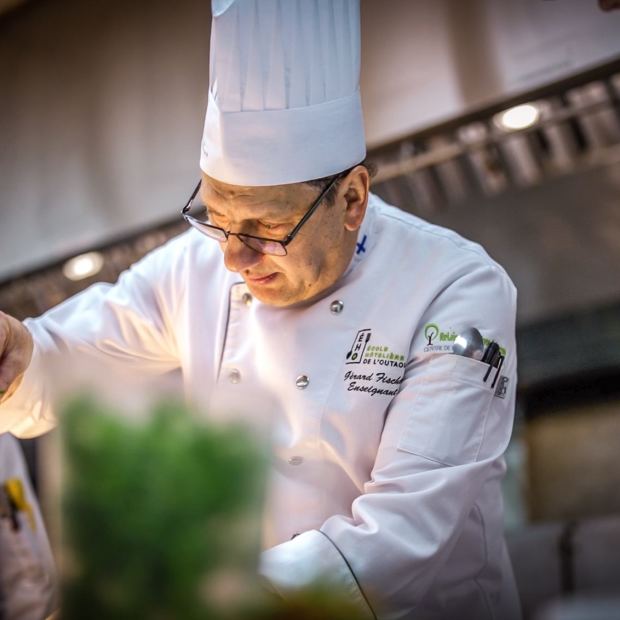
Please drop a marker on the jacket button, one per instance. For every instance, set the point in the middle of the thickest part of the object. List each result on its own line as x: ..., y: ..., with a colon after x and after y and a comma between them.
x: 336, y: 306
x: 246, y: 298
x: 234, y: 376
x: 302, y: 382
x: 296, y: 460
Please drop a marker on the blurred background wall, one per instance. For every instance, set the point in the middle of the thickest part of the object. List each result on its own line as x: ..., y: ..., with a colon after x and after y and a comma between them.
x: 100, y: 116
x: 101, y: 112
x: 428, y: 61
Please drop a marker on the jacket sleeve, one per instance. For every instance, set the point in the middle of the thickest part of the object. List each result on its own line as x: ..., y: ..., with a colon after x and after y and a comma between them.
x: 130, y: 323
x: 442, y: 442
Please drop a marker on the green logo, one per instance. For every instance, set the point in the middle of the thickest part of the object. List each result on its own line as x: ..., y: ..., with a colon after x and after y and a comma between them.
x: 441, y: 340
x: 431, y: 331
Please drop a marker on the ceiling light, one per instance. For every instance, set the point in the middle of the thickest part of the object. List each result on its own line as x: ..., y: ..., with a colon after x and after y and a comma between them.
x: 83, y: 266
x: 519, y: 117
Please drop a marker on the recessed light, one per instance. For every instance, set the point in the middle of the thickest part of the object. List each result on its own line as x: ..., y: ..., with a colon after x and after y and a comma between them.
x: 519, y: 117
x: 83, y: 266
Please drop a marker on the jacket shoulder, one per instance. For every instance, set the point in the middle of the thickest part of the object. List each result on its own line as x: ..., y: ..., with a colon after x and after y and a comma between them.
x: 175, y: 256
x: 433, y: 248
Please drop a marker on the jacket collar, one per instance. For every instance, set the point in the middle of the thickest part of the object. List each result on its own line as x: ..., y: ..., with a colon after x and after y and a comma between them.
x: 365, y: 237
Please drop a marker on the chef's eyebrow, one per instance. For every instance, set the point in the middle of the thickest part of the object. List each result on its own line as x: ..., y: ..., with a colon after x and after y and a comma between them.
x: 211, y: 210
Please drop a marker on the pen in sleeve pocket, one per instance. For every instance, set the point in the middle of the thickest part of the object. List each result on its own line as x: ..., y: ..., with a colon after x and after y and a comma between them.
x: 493, y: 358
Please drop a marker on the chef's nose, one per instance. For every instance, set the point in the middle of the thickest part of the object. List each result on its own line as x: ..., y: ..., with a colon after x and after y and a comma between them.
x: 238, y: 256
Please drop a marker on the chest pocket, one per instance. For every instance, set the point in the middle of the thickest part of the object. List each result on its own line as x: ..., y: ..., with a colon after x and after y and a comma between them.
x: 449, y: 411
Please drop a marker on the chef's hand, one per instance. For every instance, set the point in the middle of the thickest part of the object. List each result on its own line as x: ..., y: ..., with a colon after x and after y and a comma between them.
x: 15, y: 354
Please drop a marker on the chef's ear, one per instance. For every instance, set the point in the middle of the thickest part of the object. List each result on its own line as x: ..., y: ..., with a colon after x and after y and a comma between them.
x: 355, y: 187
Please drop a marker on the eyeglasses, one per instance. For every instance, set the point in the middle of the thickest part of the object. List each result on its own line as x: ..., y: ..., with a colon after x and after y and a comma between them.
x: 263, y: 245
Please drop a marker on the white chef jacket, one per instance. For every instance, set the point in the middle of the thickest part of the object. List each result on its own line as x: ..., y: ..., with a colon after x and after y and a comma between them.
x: 27, y: 573
x: 387, y: 448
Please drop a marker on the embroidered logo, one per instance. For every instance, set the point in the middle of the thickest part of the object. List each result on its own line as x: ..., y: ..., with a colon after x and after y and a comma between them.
x: 431, y: 331
x: 361, y: 352
x: 354, y: 356
x: 440, y: 340
x: 361, y: 246
x: 382, y: 381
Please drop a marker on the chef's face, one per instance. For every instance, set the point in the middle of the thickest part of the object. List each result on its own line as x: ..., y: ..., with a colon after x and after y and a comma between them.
x: 316, y: 257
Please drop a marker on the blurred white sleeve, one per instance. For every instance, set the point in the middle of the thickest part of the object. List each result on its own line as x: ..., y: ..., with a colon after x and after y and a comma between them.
x: 115, y: 329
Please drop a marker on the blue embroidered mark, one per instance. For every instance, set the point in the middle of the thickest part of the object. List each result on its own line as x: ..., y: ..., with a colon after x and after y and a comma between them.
x: 361, y: 245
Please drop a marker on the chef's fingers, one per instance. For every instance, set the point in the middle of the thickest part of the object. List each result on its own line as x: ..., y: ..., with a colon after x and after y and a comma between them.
x: 12, y: 366
x: 10, y: 371
x: 15, y: 351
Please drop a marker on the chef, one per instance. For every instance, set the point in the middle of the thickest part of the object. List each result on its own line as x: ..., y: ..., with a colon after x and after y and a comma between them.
x: 296, y: 281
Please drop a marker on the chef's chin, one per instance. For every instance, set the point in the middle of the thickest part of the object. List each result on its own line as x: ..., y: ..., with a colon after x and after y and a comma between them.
x: 278, y: 295
x: 272, y: 293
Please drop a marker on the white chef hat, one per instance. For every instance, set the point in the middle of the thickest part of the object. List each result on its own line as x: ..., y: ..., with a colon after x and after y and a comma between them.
x: 284, y: 102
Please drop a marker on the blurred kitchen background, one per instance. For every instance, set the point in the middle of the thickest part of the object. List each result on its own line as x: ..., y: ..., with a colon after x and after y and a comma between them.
x: 497, y: 118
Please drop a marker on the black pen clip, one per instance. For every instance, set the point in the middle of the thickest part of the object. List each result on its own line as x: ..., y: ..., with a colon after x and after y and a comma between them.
x: 493, y: 357
x: 499, y: 367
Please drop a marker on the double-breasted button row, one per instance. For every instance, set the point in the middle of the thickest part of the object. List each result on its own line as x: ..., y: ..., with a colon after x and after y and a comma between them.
x: 303, y: 381
x: 234, y: 376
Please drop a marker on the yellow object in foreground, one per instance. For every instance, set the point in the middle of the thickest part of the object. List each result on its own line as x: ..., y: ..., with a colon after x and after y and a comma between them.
x: 14, y: 489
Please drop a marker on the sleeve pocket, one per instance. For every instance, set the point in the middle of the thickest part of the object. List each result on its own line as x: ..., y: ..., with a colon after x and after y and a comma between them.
x: 449, y: 411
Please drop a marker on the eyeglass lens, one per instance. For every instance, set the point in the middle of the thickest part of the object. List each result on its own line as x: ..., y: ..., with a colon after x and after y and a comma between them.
x: 264, y: 246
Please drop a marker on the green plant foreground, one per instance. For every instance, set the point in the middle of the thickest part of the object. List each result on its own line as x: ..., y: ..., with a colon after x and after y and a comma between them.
x: 161, y: 521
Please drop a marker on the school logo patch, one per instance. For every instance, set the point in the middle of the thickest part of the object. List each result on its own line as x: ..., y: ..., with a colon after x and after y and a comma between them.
x: 356, y: 352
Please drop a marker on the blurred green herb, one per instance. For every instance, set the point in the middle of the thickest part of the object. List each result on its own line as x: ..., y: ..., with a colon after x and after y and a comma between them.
x: 153, y: 511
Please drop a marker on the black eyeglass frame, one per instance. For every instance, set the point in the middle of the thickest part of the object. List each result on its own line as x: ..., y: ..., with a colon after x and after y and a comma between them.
x: 199, y: 225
